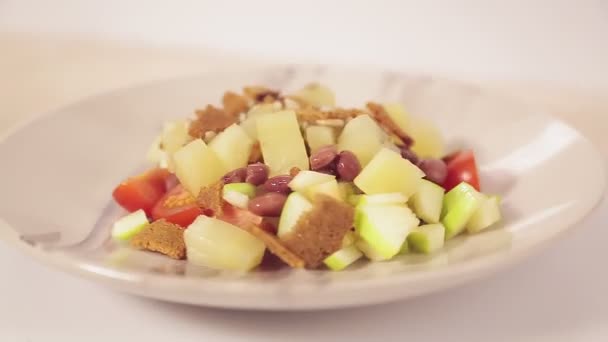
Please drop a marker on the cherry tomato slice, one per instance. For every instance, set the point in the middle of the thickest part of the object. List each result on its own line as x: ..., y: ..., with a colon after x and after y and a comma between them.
x: 141, y: 191
x: 461, y: 168
x: 177, y: 206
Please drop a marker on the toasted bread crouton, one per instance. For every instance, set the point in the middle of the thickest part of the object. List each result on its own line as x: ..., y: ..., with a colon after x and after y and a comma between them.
x: 275, y: 246
x: 210, y: 119
x: 162, y: 237
x: 320, y: 231
x: 210, y: 199
x: 234, y: 104
x: 294, y: 171
x: 384, y: 120
x: 312, y: 115
x: 255, y: 155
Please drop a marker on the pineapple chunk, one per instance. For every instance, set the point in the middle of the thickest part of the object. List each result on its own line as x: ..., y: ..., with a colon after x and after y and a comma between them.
x: 232, y: 146
x: 196, y: 166
x: 428, y: 142
x: 281, y: 142
x: 388, y: 172
x: 363, y: 137
x: 319, y: 136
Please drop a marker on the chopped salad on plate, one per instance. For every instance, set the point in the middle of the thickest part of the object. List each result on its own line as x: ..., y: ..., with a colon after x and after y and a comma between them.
x: 298, y: 178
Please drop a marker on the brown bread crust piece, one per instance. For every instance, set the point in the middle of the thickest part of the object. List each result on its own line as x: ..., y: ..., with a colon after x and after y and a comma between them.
x: 234, y: 104
x: 320, y: 231
x: 210, y: 199
x: 384, y: 120
x: 312, y: 115
x: 162, y: 237
x: 275, y: 246
x: 210, y: 119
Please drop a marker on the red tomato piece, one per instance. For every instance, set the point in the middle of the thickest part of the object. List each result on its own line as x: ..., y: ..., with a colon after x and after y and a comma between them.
x: 141, y: 191
x: 461, y: 168
x: 177, y: 206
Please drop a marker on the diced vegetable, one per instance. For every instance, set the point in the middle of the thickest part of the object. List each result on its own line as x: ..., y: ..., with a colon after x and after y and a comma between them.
x: 281, y: 142
x: 244, y: 188
x: 319, y: 136
x: 389, y: 198
x: 459, y: 205
x: 177, y: 206
x: 427, y: 239
x: 236, y: 198
x: 461, y: 168
x: 174, y: 136
x: 363, y: 137
x: 385, y: 227
x: 295, y: 206
x: 232, y: 146
x: 317, y: 95
x: 305, y: 179
x: 196, y: 166
x: 399, y: 115
x: 329, y: 188
x: 217, y: 244
x: 486, y: 215
x: 388, y: 172
x: 343, y: 258
x: 141, y: 191
x: 428, y: 142
x: 428, y: 201
x: 128, y: 226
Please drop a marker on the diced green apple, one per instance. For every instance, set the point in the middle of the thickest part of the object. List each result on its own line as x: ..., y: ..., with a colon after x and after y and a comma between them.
x: 295, y: 206
x: 354, y: 199
x: 427, y: 239
x: 343, y: 258
x: 368, y: 251
x: 428, y: 201
x: 217, y: 244
x: 363, y: 137
x: 329, y: 188
x: 347, y: 189
x: 127, y: 227
x: 236, y: 198
x: 232, y: 146
x: 281, y: 142
x: 385, y: 227
x: 319, y: 136
x: 349, y: 239
x: 305, y: 179
x: 389, y: 198
x: 196, y: 166
x: 244, y: 188
x: 459, y: 205
x: 389, y: 172
x: 317, y: 95
x: 486, y: 215
x: 398, y: 114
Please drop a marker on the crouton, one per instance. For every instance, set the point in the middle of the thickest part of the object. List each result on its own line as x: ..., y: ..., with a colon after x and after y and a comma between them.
x: 210, y: 119
x: 320, y: 231
x: 162, y: 237
x: 275, y: 246
x: 234, y: 104
x: 384, y: 120
x: 312, y: 115
x: 210, y: 199
x: 260, y: 94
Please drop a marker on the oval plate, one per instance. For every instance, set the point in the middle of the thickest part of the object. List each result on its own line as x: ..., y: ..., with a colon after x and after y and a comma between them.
x: 58, y: 172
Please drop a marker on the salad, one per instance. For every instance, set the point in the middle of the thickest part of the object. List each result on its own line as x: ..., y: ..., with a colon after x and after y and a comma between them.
x: 295, y: 177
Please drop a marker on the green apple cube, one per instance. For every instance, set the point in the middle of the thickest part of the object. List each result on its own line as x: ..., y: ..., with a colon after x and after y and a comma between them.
x: 398, y: 114
x: 232, y: 146
x: 305, y: 179
x: 427, y: 239
x: 329, y: 188
x: 281, y: 142
x: 388, y: 172
x: 236, y: 198
x: 368, y: 251
x: 384, y: 227
x: 486, y: 215
x: 217, y: 244
x: 127, y: 227
x: 196, y: 166
x: 354, y: 199
x: 244, y: 188
x: 347, y: 189
x: 319, y: 136
x: 428, y: 201
x: 459, y: 205
x: 405, y: 248
x: 390, y: 198
x: 349, y: 239
x: 295, y: 206
x: 343, y: 258
x: 363, y: 137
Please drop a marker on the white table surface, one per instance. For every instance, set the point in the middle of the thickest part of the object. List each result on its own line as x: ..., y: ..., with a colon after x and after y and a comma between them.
x: 557, y: 295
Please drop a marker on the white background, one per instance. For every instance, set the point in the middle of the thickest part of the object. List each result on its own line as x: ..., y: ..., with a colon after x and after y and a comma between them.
x: 552, y: 53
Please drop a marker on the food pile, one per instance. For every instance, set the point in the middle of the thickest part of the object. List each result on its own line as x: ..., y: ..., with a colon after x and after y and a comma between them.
x: 311, y: 183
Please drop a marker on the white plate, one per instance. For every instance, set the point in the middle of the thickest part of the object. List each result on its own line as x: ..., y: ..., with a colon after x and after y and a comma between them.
x: 58, y: 172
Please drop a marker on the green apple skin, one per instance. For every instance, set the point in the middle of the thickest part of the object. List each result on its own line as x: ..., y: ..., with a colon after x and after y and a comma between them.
x: 343, y: 258
x: 305, y: 179
x: 427, y: 238
x: 244, y: 188
x: 486, y: 215
x: 459, y: 205
x: 427, y: 202
x: 384, y: 227
x: 127, y: 227
x: 295, y: 206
